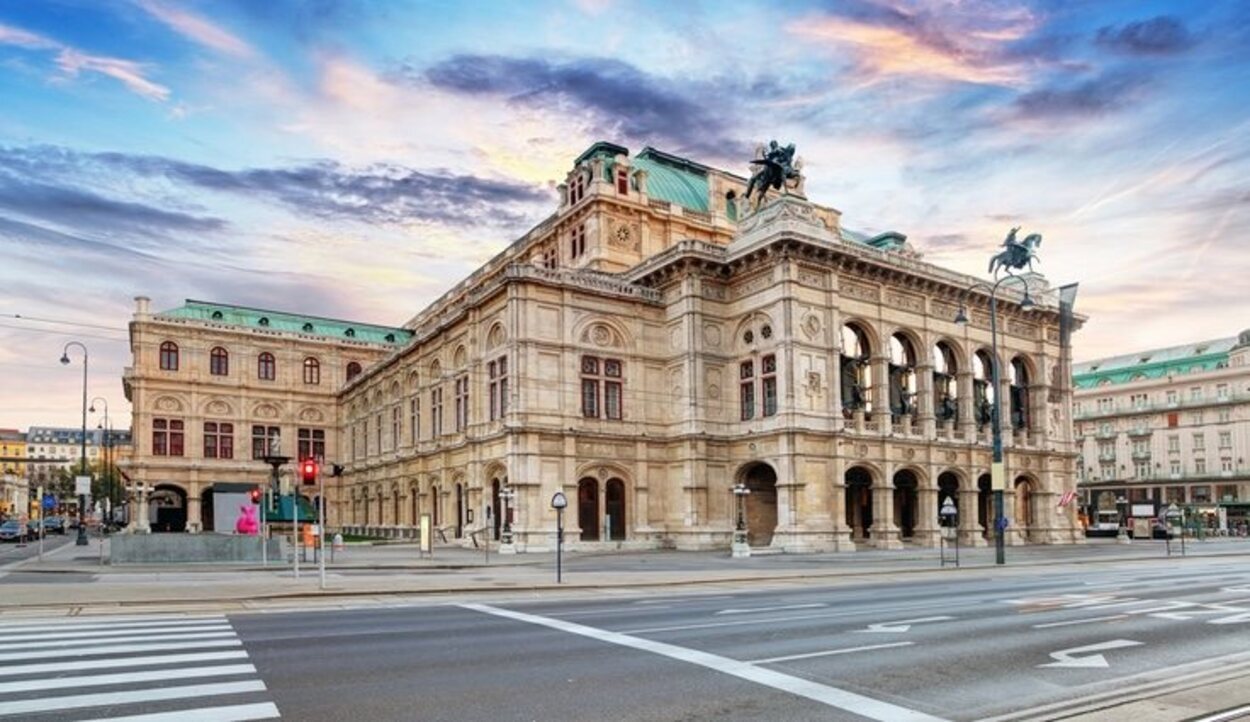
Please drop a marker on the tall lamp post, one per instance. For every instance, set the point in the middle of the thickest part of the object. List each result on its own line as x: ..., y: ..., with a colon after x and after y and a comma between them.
x: 1121, y: 535
x: 82, y: 498
x: 107, y: 466
x: 506, y: 495
x: 997, y: 472
x: 559, y: 502
x: 741, y: 546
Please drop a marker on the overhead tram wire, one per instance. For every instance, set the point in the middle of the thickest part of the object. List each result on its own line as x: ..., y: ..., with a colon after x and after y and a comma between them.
x: 60, y: 322
x: 29, y: 329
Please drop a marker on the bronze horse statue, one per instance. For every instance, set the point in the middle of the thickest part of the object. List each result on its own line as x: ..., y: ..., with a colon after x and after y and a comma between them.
x: 1016, y: 255
x: 775, y: 168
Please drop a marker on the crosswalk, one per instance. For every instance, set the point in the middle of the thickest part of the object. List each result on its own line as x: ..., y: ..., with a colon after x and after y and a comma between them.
x: 144, y: 668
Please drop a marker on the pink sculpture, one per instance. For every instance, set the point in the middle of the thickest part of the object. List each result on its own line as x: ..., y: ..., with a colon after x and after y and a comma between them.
x: 247, y: 523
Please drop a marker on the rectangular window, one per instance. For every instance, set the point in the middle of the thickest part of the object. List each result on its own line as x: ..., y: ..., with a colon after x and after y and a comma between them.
x: 1226, y: 415
x: 551, y: 258
x: 396, y: 427
x: 462, y: 403
x: 167, y: 437
x: 1226, y: 439
x: 746, y: 389
x: 1138, y: 401
x: 768, y: 376
x: 1221, y: 391
x: 218, y: 440
x: 414, y: 419
x: 498, y: 391
x: 577, y: 241
x: 1195, y: 393
x: 622, y: 181
x: 436, y: 412
x: 1226, y: 465
x: 1175, y: 468
x: 1174, y: 420
x: 1105, y: 405
x: 378, y: 431
x: 1174, y: 444
x: 1200, y: 465
x: 1108, y: 472
x: 612, y: 388
x: 602, y: 375
x: 312, y: 444
x: 1143, y: 469
x: 1171, y: 398
x: 266, y: 441
x: 1199, y: 442
x: 1200, y: 495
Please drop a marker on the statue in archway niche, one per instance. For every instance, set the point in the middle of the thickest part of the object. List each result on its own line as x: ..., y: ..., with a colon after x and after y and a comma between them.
x: 852, y: 389
x: 774, y: 168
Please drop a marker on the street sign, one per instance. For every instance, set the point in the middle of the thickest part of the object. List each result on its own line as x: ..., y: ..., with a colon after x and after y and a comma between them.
x: 82, y: 485
x: 998, y: 476
x: 49, y: 502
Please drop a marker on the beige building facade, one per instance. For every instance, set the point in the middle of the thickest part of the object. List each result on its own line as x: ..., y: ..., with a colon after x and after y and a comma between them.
x: 216, y: 387
x: 1168, y: 426
x: 656, y: 342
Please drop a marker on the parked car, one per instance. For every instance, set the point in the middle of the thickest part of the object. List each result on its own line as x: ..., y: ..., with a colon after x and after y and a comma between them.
x: 12, y: 530
x: 54, y: 525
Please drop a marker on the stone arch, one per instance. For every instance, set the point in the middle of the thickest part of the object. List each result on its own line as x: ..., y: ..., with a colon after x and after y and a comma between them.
x: 588, y: 508
x: 760, y: 478
x: 413, y: 379
x: 907, y: 482
x: 1021, y: 373
x: 436, y: 371
x: 460, y: 359
x: 859, y: 481
x: 216, y: 406
x: 265, y: 410
x: 949, y: 483
x: 602, y: 332
x: 1025, y: 511
x: 947, y: 359
x: 985, y: 506
x: 168, y: 403
x: 311, y: 414
x: 396, y: 392
x: 496, y: 336
x: 167, y: 507
x: 906, y: 354
x: 981, y: 363
x: 750, y: 332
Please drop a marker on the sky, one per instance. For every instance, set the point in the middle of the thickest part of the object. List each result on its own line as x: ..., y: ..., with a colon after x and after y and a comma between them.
x: 356, y: 158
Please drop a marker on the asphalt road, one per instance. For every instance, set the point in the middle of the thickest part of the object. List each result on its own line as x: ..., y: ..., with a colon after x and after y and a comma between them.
x: 1036, y: 643
x: 12, y: 552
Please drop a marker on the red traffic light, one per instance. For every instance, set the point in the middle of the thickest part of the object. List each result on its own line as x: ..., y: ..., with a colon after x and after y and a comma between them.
x: 255, y: 494
x: 308, y: 471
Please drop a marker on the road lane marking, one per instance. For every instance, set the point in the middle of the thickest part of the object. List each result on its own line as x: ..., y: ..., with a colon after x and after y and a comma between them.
x: 1228, y: 714
x: 232, y: 713
x: 901, y: 625
x: 156, y: 675
x: 59, y: 623
x: 830, y: 652
x: 831, y: 696
x: 1072, y: 622
x: 151, y: 631
x: 78, y: 643
x: 107, y: 699
x: 770, y: 609
x: 85, y: 664
x: 1066, y: 657
x: 122, y: 649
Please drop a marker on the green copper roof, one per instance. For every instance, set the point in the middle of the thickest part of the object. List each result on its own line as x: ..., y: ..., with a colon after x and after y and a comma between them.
x: 674, y: 179
x: 280, y: 321
x: 1153, y: 364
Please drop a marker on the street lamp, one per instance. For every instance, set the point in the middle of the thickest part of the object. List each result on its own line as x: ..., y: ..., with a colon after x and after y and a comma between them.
x: 107, y: 466
x: 506, y: 495
x: 997, y: 473
x: 81, y: 540
x: 559, y: 502
x: 741, y: 546
x: 949, y: 515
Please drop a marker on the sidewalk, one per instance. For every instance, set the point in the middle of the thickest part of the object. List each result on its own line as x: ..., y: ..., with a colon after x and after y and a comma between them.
x: 71, y: 578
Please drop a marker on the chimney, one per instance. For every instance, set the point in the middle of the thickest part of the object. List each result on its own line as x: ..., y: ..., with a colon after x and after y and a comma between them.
x: 141, y: 307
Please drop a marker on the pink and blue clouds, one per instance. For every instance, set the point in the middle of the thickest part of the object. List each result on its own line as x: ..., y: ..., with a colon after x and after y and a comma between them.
x: 355, y: 159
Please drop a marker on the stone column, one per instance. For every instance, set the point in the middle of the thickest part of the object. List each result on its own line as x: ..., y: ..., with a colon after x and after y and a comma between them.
x: 884, y: 532
x: 967, y: 411
x: 195, y: 520
x: 924, y: 402
x: 880, y: 392
x: 927, y: 515
x: 1016, y: 537
x: 969, y: 529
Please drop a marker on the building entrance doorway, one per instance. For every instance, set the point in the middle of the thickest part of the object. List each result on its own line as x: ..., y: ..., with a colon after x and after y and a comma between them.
x: 614, y: 507
x: 761, y: 504
x: 588, y: 508
x: 167, y: 509
x: 859, y: 502
x: 906, y: 499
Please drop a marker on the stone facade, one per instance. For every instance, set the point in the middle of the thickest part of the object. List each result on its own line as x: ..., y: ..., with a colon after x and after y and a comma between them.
x: 655, y: 341
x: 1165, y: 426
x: 213, y: 385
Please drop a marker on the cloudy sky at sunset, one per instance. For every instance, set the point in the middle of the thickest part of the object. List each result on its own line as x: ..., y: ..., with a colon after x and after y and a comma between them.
x: 354, y: 159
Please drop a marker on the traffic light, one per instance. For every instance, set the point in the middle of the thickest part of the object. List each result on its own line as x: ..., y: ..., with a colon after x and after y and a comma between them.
x: 308, y: 471
x: 255, y: 495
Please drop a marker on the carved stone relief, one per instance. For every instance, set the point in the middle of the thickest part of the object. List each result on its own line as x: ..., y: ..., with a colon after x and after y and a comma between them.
x: 217, y: 407
x: 168, y: 403
x: 712, y: 335
x: 860, y: 290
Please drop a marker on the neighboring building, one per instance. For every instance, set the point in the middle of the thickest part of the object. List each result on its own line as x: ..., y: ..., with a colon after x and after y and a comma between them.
x: 12, y: 471
x: 52, y: 448
x: 654, y: 341
x: 1166, y: 426
x: 215, y: 387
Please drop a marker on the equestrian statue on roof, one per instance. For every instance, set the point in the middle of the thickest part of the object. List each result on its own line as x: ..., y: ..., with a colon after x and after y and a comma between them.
x: 775, y: 167
x: 1016, y: 254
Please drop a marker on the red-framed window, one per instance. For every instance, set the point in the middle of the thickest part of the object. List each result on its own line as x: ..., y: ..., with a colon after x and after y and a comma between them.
x: 312, y: 371
x: 312, y: 444
x: 746, y: 389
x: 602, y: 388
x: 353, y: 370
x: 219, y: 361
x: 169, y: 356
x: 498, y: 371
x: 167, y: 437
x: 266, y: 367
x: 266, y: 441
x: 218, y: 440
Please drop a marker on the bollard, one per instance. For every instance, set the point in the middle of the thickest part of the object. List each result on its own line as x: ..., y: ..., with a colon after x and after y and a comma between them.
x: 338, y: 542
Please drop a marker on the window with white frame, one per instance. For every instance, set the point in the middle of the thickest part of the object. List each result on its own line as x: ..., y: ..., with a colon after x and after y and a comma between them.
x: 497, y: 370
x: 462, y: 402
x: 414, y: 419
x: 1200, y: 442
x: 1175, y: 468
x: 1200, y: 465
x: 1226, y: 439
x: 601, y: 387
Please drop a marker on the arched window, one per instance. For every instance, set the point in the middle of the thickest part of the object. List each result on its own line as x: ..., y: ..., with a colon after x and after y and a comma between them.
x: 312, y: 371
x: 945, y: 388
x: 856, y: 370
x: 1019, y: 394
x: 902, y: 376
x: 982, y: 390
x: 169, y: 356
x: 266, y: 367
x: 219, y: 361
x: 353, y: 370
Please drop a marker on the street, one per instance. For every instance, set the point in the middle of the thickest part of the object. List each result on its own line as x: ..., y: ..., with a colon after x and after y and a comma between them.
x: 1022, y: 643
x: 12, y: 553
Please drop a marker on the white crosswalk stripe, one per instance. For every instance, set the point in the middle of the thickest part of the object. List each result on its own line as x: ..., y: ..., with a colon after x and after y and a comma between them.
x: 142, y: 669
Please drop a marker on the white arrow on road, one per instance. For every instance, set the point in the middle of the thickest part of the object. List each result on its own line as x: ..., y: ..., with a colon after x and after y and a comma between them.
x: 901, y: 625
x: 1068, y: 658
x: 769, y: 609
